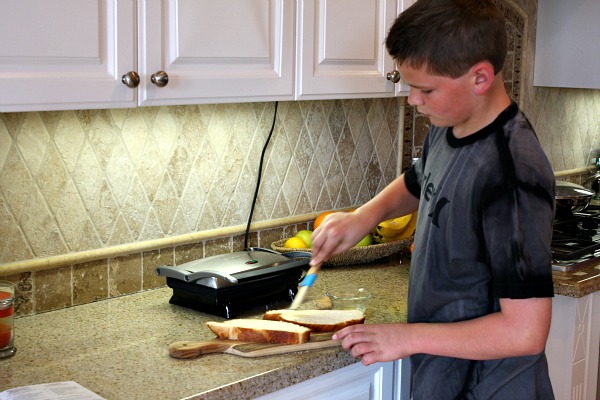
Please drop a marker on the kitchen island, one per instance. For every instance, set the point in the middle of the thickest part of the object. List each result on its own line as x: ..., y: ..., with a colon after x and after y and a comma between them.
x: 118, y: 348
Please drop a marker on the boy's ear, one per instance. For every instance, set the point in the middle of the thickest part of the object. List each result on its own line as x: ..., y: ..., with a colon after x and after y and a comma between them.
x: 483, y: 77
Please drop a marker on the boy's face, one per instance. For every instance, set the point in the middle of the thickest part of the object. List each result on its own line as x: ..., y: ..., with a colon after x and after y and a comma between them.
x: 445, y: 101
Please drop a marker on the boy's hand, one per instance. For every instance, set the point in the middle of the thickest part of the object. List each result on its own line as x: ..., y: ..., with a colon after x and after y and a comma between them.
x: 337, y: 233
x: 375, y: 342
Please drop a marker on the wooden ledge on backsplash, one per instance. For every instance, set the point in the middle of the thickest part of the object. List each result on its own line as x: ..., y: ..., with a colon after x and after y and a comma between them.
x: 40, y: 264
x: 574, y: 172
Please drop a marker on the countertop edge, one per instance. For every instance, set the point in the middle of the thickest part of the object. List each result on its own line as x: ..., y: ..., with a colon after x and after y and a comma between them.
x: 324, y: 361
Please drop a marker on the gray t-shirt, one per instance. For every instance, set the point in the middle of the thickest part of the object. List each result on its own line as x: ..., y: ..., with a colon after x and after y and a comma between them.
x: 484, y: 230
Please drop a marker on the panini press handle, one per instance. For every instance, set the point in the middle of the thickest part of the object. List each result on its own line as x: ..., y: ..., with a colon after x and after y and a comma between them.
x: 189, y: 276
x: 194, y: 276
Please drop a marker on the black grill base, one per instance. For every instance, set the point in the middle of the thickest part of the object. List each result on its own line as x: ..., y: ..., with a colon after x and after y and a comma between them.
x: 230, y: 301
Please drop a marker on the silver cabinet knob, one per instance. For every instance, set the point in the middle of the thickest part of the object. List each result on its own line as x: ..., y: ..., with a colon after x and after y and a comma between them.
x: 160, y: 78
x: 131, y: 79
x: 393, y: 76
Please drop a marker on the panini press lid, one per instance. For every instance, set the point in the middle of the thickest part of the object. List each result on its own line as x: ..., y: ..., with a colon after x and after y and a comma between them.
x: 230, y: 268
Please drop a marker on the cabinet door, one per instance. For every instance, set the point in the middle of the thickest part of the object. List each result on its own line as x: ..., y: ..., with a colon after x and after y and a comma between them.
x: 63, y: 54
x: 216, y: 51
x: 341, y: 48
x: 573, y: 346
x: 354, y: 382
x: 567, y: 51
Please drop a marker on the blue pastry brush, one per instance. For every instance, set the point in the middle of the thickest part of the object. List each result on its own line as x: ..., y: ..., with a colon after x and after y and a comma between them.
x: 307, y: 282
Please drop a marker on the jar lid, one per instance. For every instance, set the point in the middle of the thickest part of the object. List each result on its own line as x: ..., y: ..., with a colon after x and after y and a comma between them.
x: 6, y: 299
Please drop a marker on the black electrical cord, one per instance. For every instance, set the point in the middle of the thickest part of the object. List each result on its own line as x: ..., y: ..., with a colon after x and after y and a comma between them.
x: 258, y: 179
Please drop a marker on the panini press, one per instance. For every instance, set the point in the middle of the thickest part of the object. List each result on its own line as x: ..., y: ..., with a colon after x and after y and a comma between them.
x: 227, y: 284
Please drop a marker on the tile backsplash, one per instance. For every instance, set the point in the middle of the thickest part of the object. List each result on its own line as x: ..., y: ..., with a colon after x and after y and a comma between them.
x: 566, y: 120
x: 79, y: 180
x: 72, y: 182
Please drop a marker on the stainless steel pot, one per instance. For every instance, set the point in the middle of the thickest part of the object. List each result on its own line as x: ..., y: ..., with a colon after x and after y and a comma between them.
x: 594, y: 184
x: 571, y: 198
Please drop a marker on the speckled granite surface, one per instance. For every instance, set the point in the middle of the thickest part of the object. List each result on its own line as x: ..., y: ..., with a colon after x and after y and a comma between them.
x: 118, y: 347
x: 577, y: 283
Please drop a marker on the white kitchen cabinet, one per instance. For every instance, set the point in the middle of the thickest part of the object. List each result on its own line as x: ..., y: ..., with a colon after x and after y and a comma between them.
x: 340, y: 48
x: 63, y: 54
x: 59, y: 54
x: 567, y: 50
x: 216, y: 51
x: 573, y: 347
x: 380, y: 381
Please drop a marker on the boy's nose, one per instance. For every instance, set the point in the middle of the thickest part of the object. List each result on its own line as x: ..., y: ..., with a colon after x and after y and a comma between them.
x: 413, y: 98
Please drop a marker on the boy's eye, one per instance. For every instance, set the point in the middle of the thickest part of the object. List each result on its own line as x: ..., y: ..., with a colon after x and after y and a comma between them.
x: 426, y: 91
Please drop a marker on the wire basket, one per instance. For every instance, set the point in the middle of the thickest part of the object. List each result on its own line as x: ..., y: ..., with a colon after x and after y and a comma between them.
x: 355, y: 255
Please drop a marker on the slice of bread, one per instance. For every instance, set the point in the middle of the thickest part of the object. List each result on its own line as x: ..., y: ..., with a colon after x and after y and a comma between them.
x: 318, y: 320
x: 260, y: 331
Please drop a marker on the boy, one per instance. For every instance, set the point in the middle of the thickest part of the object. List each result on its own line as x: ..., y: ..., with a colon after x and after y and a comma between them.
x: 480, y: 292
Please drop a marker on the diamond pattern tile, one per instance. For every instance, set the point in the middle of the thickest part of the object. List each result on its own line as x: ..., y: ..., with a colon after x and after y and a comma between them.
x: 81, y: 180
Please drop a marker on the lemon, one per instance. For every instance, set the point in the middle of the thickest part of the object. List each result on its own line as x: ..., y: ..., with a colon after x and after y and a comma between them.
x: 295, y: 243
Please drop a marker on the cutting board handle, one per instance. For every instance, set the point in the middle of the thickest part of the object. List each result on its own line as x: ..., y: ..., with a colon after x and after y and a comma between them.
x: 191, y: 349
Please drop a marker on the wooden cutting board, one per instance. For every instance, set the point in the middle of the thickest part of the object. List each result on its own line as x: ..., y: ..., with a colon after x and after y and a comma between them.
x: 191, y: 349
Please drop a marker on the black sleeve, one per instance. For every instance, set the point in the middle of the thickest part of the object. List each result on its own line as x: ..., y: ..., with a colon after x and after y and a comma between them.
x: 518, y: 221
x: 412, y: 181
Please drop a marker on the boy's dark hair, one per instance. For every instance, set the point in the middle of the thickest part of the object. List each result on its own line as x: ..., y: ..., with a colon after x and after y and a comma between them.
x: 448, y: 37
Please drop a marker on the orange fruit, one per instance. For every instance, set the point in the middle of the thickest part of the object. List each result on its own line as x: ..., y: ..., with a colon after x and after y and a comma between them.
x: 295, y: 243
x: 320, y: 218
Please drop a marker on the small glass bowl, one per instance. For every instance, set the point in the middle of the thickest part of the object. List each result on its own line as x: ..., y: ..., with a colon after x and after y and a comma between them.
x: 350, y: 300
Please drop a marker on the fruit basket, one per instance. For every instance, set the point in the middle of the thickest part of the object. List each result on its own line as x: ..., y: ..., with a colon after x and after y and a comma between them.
x: 355, y: 255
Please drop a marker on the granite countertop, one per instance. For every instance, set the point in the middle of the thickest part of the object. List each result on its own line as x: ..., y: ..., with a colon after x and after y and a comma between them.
x: 118, y: 348
x: 577, y: 283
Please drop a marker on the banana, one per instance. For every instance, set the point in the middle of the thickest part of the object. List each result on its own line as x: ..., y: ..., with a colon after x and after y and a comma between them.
x: 377, y: 238
x: 393, y: 227
x: 385, y: 234
x: 410, y: 228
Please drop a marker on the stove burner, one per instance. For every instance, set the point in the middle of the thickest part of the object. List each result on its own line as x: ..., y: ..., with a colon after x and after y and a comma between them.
x: 576, y: 238
x: 572, y: 248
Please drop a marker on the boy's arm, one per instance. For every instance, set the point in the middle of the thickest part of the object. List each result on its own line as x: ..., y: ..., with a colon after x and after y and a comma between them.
x: 519, y: 329
x: 341, y: 231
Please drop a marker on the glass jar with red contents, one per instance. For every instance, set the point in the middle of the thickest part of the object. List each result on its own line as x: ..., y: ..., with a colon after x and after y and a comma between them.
x: 7, y: 324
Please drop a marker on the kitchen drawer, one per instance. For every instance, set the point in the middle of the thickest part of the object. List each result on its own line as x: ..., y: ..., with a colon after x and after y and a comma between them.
x: 380, y: 381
